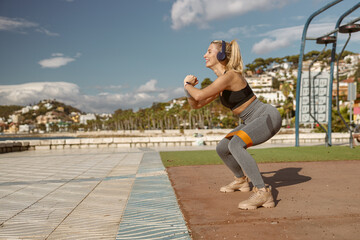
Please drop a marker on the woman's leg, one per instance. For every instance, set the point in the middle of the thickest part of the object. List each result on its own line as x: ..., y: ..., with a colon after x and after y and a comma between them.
x: 255, y: 132
x: 224, y: 153
x: 237, y: 147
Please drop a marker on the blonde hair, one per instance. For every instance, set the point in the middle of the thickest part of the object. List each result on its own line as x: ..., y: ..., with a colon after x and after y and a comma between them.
x: 233, y: 56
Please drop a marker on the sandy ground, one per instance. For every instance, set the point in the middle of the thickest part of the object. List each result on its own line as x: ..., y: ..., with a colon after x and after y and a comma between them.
x: 314, y: 200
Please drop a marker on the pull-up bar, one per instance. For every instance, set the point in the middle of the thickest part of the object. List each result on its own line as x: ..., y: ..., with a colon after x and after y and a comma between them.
x: 298, y: 84
x: 336, y: 29
x: 333, y: 53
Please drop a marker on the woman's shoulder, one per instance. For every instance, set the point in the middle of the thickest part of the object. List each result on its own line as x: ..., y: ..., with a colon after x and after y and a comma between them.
x: 236, y: 80
x: 235, y: 75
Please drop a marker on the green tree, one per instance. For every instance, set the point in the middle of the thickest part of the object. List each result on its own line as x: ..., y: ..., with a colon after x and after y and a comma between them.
x: 275, y: 83
x: 206, y: 82
x: 5, y: 111
x: 357, y: 78
x: 73, y: 127
x: 288, y: 104
x: 42, y: 127
x: 294, y: 60
x: 54, y: 127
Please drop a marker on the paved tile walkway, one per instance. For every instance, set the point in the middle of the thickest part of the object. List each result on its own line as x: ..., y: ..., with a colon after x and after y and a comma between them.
x: 87, y: 194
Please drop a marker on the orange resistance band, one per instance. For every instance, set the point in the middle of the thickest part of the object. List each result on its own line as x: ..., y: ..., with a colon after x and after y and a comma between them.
x: 243, y: 135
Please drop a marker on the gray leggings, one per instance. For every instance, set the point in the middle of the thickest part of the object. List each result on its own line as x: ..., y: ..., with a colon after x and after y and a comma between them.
x: 261, y: 122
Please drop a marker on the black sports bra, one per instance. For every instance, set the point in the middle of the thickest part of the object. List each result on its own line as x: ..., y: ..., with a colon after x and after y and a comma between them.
x: 235, y: 99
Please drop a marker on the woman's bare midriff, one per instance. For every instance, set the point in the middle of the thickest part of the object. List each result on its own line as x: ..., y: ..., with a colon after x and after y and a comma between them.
x: 241, y: 108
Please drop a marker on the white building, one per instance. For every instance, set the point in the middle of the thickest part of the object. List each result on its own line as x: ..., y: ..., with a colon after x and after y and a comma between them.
x: 353, y: 59
x: 14, y: 118
x: 25, y: 109
x: 106, y: 115
x: 87, y: 117
x: 48, y: 106
x: 24, y: 128
x: 274, y: 97
x: 172, y: 104
x: 279, y: 70
x: 260, y: 81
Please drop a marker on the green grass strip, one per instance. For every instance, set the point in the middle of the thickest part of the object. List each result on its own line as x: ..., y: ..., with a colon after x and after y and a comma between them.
x: 264, y: 155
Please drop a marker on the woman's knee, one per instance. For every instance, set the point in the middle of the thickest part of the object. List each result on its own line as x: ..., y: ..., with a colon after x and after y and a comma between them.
x: 236, y: 143
x: 222, y: 147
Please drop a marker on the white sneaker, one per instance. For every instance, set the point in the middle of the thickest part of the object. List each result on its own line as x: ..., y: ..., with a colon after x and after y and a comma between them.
x: 259, y: 198
x: 239, y: 184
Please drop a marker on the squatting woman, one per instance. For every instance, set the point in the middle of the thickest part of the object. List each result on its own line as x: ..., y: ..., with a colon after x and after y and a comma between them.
x: 260, y: 121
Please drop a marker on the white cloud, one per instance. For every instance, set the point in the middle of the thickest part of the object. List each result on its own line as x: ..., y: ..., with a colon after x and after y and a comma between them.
x: 284, y: 37
x: 179, y: 91
x: 27, y: 93
x: 47, y: 32
x: 150, y: 86
x: 69, y: 93
x: 19, y: 25
x: 15, y: 24
x: 57, y: 60
x: 201, y: 12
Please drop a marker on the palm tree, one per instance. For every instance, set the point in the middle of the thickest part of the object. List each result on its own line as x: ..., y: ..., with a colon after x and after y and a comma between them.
x: 288, y: 105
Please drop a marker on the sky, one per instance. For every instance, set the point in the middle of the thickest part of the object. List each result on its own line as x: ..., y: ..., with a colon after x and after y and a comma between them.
x: 100, y: 56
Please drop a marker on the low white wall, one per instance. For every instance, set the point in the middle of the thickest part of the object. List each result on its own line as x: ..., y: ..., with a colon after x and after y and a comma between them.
x: 134, y: 142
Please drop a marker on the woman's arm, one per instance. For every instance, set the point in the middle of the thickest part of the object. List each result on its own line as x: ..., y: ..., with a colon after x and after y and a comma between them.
x: 210, y: 92
x: 199, y: 104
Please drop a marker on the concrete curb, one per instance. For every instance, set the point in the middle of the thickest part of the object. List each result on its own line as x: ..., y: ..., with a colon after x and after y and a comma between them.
x: 136, y: 142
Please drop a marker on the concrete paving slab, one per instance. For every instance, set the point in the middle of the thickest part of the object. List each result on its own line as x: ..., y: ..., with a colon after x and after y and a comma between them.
x: 65, y: 194
x: 152, y: 211
x: 84, y: 193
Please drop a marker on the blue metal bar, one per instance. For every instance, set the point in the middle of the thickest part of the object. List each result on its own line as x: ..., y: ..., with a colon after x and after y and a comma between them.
x: 333, y: 53
x: 336, y: 29
x: 298, y: 84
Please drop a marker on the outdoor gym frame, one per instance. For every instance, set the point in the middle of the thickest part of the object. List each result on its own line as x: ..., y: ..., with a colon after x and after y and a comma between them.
x: 325, y: 39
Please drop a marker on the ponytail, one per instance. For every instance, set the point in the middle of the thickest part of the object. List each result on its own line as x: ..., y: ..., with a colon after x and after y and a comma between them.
x: 235, y: 62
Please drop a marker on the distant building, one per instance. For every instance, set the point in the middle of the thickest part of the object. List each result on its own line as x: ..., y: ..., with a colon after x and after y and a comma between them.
x: 172, y: 104
x: 24, y: 128
x: 12, y: 128
x: 357, y: 112
x: 279, y: 70
x: 262, y: 86
x: 14, y: 118
x: 274, y: 97
x: 106, y: 115
x: 26, y: 109
x: 49, y: 117
x: 87, y: 117
x: 353, y: 59
x: 48, y: 106
x: 260, y: 81
x: 343, y: 87
x: 75, y: 117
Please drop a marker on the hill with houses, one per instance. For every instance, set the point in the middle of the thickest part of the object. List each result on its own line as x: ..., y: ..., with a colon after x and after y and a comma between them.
x: 273, y: 80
